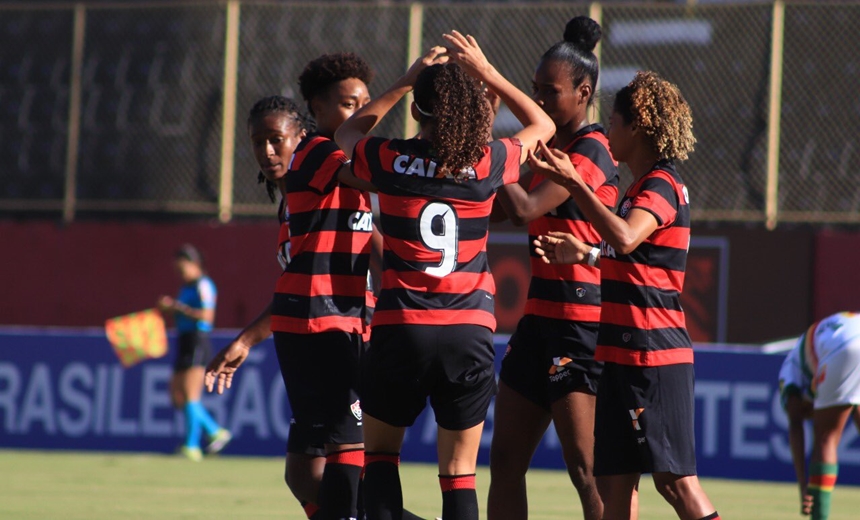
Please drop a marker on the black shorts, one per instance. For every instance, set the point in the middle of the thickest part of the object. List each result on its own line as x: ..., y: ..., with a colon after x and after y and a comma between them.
x: 451, y: 364
x: 195, y: 350
x: 548, y: 359
x: 300, y: 441
x: 644, y: 420
x: 320, y: 373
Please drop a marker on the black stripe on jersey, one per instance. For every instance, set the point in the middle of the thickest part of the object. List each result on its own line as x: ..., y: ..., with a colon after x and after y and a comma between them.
x: 477, y: 265
x: 298, y: 306
x: 326, y: 220
x: 599, y: 155
x: 404, y: 299
x: 299, y: 180
x: 656, y: 257
x: 641, y: 296
x: 498, y: 158
x: 662, y: 188
x: 648, y: 340
x: 329, y: 263
x: 404, y: 228
x: 564, y: 291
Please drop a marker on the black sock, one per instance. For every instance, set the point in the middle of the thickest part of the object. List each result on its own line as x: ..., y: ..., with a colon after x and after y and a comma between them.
x: 459, y: 498
x: 339, y: 487
x: 383, y: 496
x: 712, y: 516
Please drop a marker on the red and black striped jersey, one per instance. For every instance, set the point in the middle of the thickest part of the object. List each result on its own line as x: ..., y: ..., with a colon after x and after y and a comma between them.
x: 435, y: 269
x: 324, y: 286
x: 572, y: 292
x: 642, y: 322
x: 283, y: 252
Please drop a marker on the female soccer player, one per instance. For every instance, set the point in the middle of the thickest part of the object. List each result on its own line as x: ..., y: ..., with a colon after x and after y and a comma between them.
x: 644, y: 410
x: 432, y: 328
x: 319, y: 307
x: 194, y: 312
x: 276, y: 125
x: 819, y: 379
x: 549, y: 372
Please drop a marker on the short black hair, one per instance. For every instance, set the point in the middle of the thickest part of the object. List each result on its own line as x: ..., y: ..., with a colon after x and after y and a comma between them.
x: 323, y: 72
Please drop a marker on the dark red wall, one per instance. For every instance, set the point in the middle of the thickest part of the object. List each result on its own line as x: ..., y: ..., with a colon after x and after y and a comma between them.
x: 86, y: 272
x: 82, y: 274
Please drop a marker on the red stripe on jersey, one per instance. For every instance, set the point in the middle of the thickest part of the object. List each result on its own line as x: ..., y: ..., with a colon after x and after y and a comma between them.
x: 641, y: 274
x: 322, y: 284
x: 655, y: 203
x: 651, y: 358
x: 314, y: 325
x: 644, y: 319
x: 676, y: 237
x: 418, y: 252
x: 562, y: 311
x: 427, y: 317
x: 330, y: 242
x: 453, y: 283
x: 410, y: 207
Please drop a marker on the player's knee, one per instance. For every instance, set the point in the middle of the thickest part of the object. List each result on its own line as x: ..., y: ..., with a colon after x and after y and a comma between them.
x: 581, y: 474
x: 507, y: 464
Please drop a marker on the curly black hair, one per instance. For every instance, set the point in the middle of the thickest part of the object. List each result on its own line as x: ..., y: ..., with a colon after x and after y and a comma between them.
x: 459, y: 113
x: 278, y: 104
x: 321, y: 73
x: 581, y: 35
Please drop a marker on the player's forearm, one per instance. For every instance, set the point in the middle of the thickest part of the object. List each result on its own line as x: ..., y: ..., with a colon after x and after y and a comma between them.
x: 515, y: 201
x: 521, y: 105
x: 257, y: 330
x: 797, y: 443
x: 611, y: 228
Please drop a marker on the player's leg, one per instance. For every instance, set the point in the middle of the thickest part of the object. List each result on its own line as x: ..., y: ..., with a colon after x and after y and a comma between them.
x: 685, y: 494
x: 518, y: 426
x: 464, y: 384
x: 827, y: 426
x: 572, y: 377
x: 520, y: 418
x: 303, y: 474
x: 573, y: 416
x: 383, y: 495
x: 620, y: 496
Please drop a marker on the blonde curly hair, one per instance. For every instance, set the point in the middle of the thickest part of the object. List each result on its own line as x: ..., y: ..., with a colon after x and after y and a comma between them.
x: 657, y: 107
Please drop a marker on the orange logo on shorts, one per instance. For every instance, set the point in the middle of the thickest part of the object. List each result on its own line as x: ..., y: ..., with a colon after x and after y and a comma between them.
x: 634, y: 415
x: 558, y: 364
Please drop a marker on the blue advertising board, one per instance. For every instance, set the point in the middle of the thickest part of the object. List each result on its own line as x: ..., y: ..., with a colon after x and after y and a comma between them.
x: 65, y: 389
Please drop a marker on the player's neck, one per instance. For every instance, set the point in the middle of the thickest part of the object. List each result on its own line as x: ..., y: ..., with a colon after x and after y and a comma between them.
x: 641, y: 162
x: 564, y: 135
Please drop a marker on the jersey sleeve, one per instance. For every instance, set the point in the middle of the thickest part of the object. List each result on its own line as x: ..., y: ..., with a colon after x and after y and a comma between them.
x: 326, y: 160
x: 208, y: 294
x: 791, y: 377
x: 658, y: 197
x: 366, y: 158
x: 505, y: 157
x: 593, y: 163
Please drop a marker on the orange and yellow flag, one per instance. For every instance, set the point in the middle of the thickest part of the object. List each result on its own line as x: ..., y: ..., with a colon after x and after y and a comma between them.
x: 137, y: 336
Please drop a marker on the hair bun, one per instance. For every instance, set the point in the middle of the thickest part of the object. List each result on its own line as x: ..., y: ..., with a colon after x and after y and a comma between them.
x: 582, y: 32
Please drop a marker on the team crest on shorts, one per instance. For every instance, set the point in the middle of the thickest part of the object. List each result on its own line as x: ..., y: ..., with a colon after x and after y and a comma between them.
x: 355, y: 408
x: 580, y: 292
x: 625, y: 208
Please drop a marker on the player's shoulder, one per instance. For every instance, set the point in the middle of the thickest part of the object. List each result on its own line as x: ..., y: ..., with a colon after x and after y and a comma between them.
x: 205, y: 284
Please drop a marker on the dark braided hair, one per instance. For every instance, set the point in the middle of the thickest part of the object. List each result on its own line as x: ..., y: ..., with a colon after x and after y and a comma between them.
x: 581, y: 35
x: 460, y: 115
x: 283, y: 105
x: 323, y: 72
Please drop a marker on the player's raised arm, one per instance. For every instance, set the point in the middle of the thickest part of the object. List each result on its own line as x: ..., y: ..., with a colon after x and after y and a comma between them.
x: 364, y: 120
x: 465, y: 51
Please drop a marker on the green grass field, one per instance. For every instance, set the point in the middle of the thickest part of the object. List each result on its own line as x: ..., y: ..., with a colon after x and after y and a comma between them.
x: 73, y: 485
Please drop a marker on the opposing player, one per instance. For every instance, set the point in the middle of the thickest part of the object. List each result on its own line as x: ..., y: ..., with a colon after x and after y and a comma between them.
x: 194, y: 312
x: 549, y: 372
x: 276, y: 125
x: 432, y: 329
x: 644, y: 410
x: 319, y: 307
x: 819, y: 379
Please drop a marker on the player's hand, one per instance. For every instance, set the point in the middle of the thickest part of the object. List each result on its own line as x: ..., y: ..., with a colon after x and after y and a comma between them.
x: 561, y: 248
x: 553, y: 164
x: 434, y: 56
x: 219, y: 371
x: 806, y: 502
x: 166, y: 303
x: 468, y: 54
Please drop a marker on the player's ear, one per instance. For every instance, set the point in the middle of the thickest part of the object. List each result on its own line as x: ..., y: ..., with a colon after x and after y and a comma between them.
x: 413, y: 109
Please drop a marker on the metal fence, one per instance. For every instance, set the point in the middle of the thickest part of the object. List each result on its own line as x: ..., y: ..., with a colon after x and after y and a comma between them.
x: 108, y: 108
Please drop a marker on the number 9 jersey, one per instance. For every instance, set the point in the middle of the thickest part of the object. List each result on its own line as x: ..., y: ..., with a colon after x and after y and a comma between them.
x: 435, y: 268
